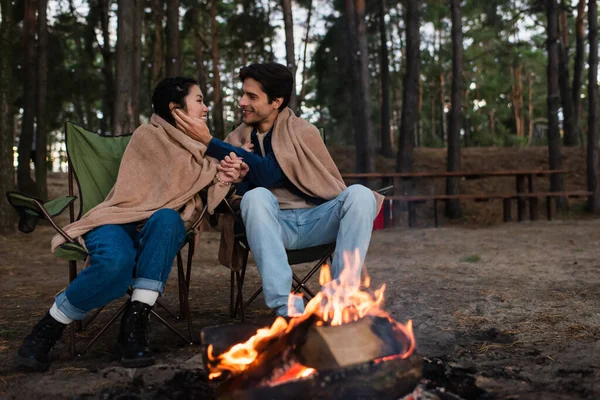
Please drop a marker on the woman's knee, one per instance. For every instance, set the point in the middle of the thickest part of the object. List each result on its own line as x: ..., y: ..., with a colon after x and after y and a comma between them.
x: 166, y: 220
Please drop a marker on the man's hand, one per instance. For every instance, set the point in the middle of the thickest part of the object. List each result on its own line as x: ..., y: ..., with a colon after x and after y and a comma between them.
x: 192, y: 127
x: 249, y: 147
x: 234, y: 165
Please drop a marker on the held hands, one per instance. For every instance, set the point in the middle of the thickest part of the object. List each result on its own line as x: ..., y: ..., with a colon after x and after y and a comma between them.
x: 234, y: 167
x: 192, y: 127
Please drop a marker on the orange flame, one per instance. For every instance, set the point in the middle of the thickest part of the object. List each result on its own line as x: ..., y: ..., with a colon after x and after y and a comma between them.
x: 340, y: 301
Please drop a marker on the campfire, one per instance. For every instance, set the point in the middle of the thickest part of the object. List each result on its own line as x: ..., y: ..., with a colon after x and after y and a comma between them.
x: 344, y: 342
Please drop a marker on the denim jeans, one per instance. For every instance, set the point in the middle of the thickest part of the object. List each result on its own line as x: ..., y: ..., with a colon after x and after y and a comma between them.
x: 121, y: 256
x: 346, y: 220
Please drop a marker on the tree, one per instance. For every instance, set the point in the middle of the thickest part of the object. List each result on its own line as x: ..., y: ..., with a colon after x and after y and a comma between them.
x: 354, y: 12
x: 173, y: 42
x: 41, y: 169
x: 290, y: 56
x: 410, y: 85
x: 219, y: 124
x: 566, y: 95
x: 387, y: 147
x: 126, y: 111
x: 25, y: 183
x: 592, y: 142
x: 554, y: 154
x: 108, y: 100
x: 453, y: 209
x: 7, y: 172
x: 578, y: 67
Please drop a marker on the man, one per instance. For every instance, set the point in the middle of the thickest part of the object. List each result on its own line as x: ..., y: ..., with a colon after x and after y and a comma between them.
x: 293, y: 194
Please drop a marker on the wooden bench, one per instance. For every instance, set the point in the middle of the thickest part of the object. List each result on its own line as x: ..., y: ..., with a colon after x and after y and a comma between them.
x: 413, y: 200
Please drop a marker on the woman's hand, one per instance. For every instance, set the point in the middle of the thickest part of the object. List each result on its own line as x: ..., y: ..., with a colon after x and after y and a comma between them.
x: 192, y: 127
x: 232, y: 165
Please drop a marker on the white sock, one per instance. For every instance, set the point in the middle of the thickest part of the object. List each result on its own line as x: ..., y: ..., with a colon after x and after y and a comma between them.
x: 59, y: 315
x: 145, y: 296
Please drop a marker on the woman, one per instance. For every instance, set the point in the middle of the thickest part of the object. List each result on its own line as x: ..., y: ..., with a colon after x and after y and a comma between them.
x: 133, y: 236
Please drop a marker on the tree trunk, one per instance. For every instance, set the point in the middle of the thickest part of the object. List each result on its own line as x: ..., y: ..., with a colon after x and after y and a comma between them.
x: 592, y: 142
x: 173, y: 43
x: 157, y: 64
x: 136, y: 80
x: 453, y: 208
x: 7, y: 171
x: 41, y: 168
x: 530, y: 106
x: 219, y: 127
x: 386, y: 135
x: 304, y: 70
x: 126, y: 116
x: 578, y: 68
x: 432, y: 109
x: 199, y: 52
x: 517, y: 98
x: 108, y: 102
x: 554, y: 154
x: 357, y: 46
x: 290, y: 55
x: 25, y: 183
x: 443, y: 123
x: 566, y: 95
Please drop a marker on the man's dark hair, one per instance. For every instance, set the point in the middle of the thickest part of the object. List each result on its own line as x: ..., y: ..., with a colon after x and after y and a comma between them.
x: 276, y: 80
x: 170, y: 90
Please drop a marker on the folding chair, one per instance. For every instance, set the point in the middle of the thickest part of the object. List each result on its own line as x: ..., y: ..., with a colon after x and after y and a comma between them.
x: 93, y: 165
x: 321, y: 254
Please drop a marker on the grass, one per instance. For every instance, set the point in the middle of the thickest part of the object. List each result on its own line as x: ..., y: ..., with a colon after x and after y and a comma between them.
x: 471, y: 259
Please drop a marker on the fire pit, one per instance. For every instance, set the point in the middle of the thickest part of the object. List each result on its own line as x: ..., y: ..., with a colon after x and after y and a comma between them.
x: 344, y: 346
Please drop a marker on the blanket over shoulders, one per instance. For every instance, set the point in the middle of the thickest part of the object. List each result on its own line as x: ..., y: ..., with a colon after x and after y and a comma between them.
x: 161, y: 168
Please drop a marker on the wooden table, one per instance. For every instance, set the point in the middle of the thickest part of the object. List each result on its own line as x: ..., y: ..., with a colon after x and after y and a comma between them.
x: 388, y: 178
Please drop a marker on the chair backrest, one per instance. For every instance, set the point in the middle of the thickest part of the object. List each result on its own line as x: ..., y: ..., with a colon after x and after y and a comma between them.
x: 95, y: 161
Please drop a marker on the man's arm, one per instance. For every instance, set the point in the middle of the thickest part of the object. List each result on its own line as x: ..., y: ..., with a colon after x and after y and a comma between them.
x: 263, y: 171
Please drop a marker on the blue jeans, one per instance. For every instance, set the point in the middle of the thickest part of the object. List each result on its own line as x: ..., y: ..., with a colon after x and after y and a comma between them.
x: 121, y: 256
x: 346, y: 220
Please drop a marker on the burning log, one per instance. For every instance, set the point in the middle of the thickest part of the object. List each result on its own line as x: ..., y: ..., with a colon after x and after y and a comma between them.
x: 343, y: 346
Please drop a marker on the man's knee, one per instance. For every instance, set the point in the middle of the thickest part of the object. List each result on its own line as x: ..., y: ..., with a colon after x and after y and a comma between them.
x: 258, y: 200
x: 360, y: 195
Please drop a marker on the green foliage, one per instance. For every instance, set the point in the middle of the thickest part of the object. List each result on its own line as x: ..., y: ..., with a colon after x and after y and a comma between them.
x: 471, y: 259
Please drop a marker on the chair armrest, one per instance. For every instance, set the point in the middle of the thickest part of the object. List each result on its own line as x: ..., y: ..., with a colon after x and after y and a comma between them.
x: 385, y: 190
x: 31, y: 208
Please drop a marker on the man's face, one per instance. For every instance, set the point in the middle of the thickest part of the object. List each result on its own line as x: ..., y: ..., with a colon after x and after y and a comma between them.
x: 255, y: 103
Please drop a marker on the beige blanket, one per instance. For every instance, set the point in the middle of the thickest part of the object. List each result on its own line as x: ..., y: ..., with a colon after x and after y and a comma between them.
x: 304, y: 159
x: 161, y: 168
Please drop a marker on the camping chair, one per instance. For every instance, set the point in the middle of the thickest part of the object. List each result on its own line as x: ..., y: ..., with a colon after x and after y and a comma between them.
x: 321, y: 254
x: 93, y: 164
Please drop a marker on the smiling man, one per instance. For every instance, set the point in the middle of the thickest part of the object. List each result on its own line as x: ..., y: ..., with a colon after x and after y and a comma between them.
x: 293, y: 194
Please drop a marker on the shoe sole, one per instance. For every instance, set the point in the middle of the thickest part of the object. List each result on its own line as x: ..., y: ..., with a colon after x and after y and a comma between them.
x: 137, y: 363
x: 32, y: 363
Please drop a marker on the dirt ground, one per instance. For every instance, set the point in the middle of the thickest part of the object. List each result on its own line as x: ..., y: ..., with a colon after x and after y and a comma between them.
x: 518, y: 304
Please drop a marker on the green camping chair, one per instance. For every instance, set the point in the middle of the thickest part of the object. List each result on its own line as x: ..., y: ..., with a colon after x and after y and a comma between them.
x: 93, y: 164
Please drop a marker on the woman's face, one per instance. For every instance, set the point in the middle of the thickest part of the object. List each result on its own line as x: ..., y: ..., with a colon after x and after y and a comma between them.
x: 194, y: 104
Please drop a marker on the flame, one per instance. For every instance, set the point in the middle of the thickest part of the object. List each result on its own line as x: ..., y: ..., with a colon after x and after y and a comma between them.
x: 341, y: 301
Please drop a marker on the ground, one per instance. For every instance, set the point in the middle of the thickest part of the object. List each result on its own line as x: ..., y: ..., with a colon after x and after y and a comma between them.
x: 515, y: 304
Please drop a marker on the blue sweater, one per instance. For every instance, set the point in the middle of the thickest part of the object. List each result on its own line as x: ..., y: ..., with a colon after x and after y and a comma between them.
x: 263, y: 171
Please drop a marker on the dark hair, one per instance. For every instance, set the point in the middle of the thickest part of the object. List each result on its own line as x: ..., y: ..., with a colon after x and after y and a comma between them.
x: 276, y: 80
x: 170, y: 90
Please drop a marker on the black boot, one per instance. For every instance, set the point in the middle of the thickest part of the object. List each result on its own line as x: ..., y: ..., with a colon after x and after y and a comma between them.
x: 133, y: 336
x: 37, y: 345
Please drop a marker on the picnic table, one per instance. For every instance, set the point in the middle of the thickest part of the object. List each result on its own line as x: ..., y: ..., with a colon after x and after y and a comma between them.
x: 522, y: 194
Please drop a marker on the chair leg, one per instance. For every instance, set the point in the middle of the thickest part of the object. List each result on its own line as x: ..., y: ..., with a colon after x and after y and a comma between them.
x: 112, y: 320
x: 171, y: 328
x: 181, y: 282
x: 241, y: 276
x: 240, y: 295
x: 302, y: 286
x: 89, y: 320
x: 232, y: 295
x: 188, y: 310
